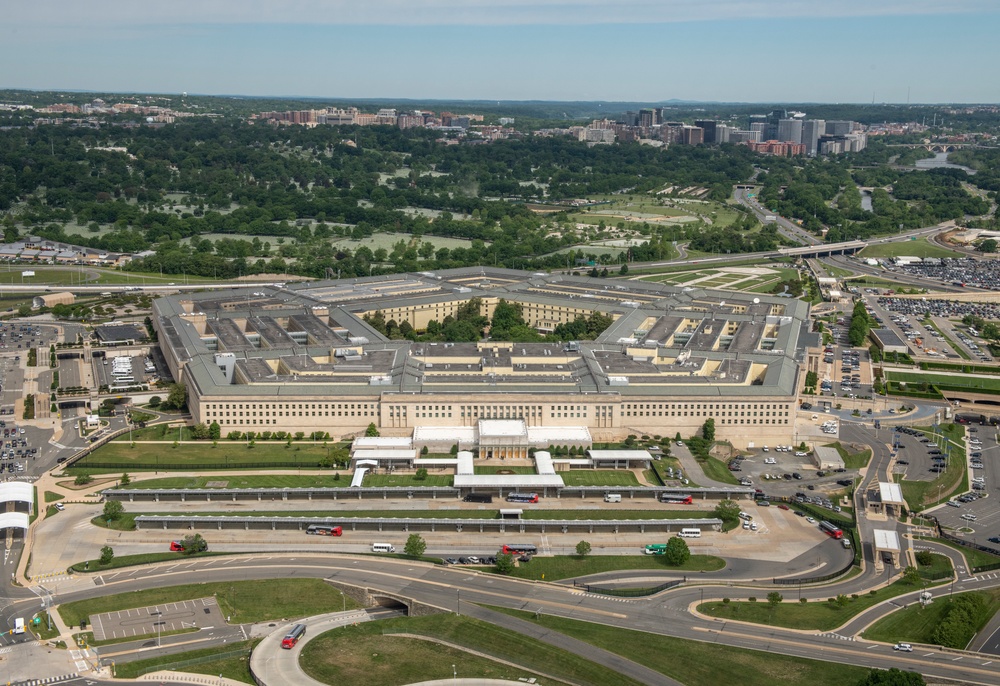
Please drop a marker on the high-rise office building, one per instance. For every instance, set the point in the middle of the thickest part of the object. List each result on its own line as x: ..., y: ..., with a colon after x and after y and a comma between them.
x: 839, y: 128
x: 710, y: 128
x: 812, y: 129
x: 790, y: 130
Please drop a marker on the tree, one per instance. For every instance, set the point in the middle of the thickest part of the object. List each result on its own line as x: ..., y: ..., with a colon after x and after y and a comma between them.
x: 989, y: 245
x: 199, y: 431
x: 505, y: 563
x: 911, y: 575
x: 708, y: 429
x: 892, y: 677
x: 421, y: 474
x: 113, y: 510
x: 623, y: 270
x: 925, y: 557
x: 214, y: 431
x: 583, y: 548
x: 125, y: 480
x: 176, y: 398
x: 107, y: 555
x: 677, y: 552
x: 371, y: 431
x: 728, y: 511
x: 774, y: 599
x: 194, y: 543
x: 415, y: 545
x: 155, y: 401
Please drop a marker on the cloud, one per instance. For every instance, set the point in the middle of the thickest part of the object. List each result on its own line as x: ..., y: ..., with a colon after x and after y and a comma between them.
x: 129, y: 13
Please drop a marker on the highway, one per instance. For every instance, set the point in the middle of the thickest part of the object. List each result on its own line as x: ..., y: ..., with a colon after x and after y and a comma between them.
x: 786, y: 228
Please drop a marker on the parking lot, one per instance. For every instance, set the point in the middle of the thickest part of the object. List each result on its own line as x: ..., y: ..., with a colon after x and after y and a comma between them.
x: 793, y: 474
x: 107, y: 374
x: 145, y: 621
x: 977, y: 512
x: 964, y: 271
x: 905, y: 315
x: 919, y: 456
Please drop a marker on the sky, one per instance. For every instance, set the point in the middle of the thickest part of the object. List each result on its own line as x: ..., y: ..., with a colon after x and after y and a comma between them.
x: 626, y: 50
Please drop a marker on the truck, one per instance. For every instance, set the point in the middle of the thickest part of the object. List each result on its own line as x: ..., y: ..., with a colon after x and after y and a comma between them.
x: 770, y: 218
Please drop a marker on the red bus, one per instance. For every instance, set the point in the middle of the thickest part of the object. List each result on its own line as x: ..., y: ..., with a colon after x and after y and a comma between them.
x: 293, y: 636
x: 830, y: 530
x: 676, y: 498
x: 522, y: 497
x: 324, y: 530
x: 518, y: 549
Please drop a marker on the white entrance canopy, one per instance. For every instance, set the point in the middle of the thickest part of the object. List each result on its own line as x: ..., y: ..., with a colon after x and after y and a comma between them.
x: 14, y: 520
x: 17, y: 491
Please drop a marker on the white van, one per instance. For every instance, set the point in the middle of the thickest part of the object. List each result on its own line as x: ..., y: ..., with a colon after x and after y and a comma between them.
x: 383, y: 548
x: 613, y: 497
x: 19, y: 625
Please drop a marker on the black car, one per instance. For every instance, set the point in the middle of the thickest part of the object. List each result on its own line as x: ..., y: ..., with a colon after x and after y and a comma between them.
x: 845, y: 482
x: 994, y: 539
x: 796, y: 475
x: 902, y: 462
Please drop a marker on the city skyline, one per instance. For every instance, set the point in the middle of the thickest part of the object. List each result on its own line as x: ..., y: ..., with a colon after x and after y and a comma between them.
x: 547, y: 50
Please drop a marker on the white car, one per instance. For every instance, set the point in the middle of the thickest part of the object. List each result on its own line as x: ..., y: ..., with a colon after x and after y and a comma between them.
x: 60, y: 507
x: 800, y: 454
x: 969, y: 517
x: 770, y: 460
x: 810, y: 520
x: 905, y: 647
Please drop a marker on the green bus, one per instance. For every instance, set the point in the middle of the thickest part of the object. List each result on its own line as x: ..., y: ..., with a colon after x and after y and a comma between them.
x: 656, y: 549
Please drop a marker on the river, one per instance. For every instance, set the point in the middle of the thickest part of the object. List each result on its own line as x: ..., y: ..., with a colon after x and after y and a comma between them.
x: 940, y: 161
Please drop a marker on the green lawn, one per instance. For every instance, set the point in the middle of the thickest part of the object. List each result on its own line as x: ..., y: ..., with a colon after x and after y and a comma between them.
x: 247, y: 481
x: 598, y: 477
x: 245, y: 601
x: 489, y: 469
x: 717, y: 470
x: 975, y: 558
x: 572, y: 566
x: 227, y: 454
x: 916, y: 624
x: 852, y: 460
x: 702, y: 663
x: 970, y: 382
x: 918, y: 248
x: 370, y: 654
x: 380, y: 480
x: 233, y: 667
x: 940, y: 565
x: 51, y: 497
x: 816, y: 615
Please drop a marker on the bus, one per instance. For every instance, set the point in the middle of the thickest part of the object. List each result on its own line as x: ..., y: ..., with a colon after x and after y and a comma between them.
x: 324, y: 530
x: 830, y: 530
x: 518, y: 549
x: 124, y: 379
x: 676, y: 498
x: 522, y: 497
x: 293, y: 636
x: 690, y: 533
x: 656, y: 549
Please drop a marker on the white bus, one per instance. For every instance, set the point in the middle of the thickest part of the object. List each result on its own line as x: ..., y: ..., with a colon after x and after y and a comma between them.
x: 383, y: 548
x: 690, y: 533
x: 124, y: 379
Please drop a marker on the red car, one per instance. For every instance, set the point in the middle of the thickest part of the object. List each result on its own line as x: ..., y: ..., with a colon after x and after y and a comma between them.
x: 783, y: 507
x: 176, y: 547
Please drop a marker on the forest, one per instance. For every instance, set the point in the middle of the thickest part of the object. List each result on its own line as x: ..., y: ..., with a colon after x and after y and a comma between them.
x: 278, y: 199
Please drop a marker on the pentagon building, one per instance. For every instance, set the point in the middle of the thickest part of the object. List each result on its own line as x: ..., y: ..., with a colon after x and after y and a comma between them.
x: 301, y: 358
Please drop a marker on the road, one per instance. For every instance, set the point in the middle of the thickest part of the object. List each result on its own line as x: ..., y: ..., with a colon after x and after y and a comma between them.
x: 665, y: 614
x: 786, y: 228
